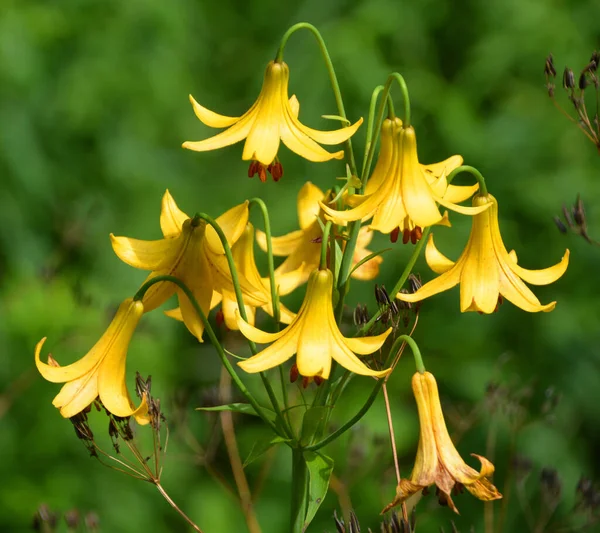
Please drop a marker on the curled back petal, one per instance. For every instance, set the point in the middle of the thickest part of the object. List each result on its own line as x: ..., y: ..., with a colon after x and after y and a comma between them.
x: 445, y: 281
x: 282, y: 246
x: 255, y: 334
x: 232, y: 222
x: 279, y: 352
x: 545, y: 275
x: 210, y: 118
x: 330, y: 137
x: 171, y: 217
x: 308, y: 204
x: 404, y: 490
x: 436, y: 260
x: 230, y: 136
x: 147, y: 255
x: 61, y: 374
x: 366, y: 345
x: 444, y: 167
x: 516, y: 292
x: 297, y: 141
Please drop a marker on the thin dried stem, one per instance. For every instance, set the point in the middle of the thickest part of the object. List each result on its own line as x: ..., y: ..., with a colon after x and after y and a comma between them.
x: 234, y: 456
x: 175, y: 506
x: 341, y: 490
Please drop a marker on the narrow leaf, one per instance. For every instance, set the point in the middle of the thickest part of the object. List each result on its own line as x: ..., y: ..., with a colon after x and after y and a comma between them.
x: 245, y: 408
x: 320, y: 468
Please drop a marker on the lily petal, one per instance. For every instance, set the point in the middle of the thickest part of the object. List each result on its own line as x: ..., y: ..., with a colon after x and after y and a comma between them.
x: 210, y: 118
x: 282, y: 246
x: 147, y: 255
x: 232, y: 222
x: 330, y: 137
x: 545, y: 275
x: 436, y: 260
x: 366, y: 345
x: 230, y: 136
x: 171, y: 217
x: 308, y: 204
x: 255, y: 334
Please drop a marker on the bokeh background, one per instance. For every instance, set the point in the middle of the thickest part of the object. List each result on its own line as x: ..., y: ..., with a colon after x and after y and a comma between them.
x: 93, y: 110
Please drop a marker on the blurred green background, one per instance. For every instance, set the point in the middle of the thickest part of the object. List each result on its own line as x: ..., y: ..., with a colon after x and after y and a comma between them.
x: 93, y: 110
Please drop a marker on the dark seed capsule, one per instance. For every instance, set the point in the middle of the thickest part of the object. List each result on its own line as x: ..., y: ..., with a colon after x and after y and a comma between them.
x: 583, y: 81
x: 549, y: 69
x: 560, y: 224
x: 568, y: 79
x: 579, y: 212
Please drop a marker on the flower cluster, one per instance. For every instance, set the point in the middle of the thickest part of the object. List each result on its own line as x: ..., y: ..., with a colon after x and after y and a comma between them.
x: 209, y: 262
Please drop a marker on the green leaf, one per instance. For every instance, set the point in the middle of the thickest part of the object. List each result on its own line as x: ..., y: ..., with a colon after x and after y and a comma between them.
x: 245, y: 408
x: 320, y: 468
x: 368, y: 258
x: 263, y: 446
x: 312, y: 423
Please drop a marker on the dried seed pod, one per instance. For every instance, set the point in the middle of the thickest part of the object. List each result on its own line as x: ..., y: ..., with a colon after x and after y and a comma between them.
x: 568, y: 79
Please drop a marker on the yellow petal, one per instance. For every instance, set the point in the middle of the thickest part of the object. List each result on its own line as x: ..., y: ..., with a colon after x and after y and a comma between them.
x: 294, y: 105
x: 459, y: 193
x: 444, y: 167
x: 147, y: 255
x: 76, y: 395
x: 232, y: 222
x: 171, y: 217
x: 276, y: 354
x: 437, y: 261
x: 330, y: 137
x: 60, y: 374
x: 210, y: 118
x: 282, y: 246
x: 297, y: 141
x: 516, y: 292
x: 263, y: 139
x: 545, y: 275
x: 463, y: 210
x: 175, y: 313
x: 366, y: 345
x: 385, y: 161
x: 255, y: 334
x: 230, y: 136
x: 445, y: 281
x: 289, y: 281
x: 230, y: 310
x: 479, y: 282
x: 308, y: 204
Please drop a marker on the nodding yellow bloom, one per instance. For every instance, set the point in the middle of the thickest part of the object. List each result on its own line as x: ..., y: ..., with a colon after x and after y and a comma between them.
x: 437, y: 460
x: 192, y: 252
x: 302, y: 248
x: 402, y: 194
x: 485, y: 270
x: 243, y: 256
x: 100, y: 373
x: 314, y: 336
x: 272, y: 118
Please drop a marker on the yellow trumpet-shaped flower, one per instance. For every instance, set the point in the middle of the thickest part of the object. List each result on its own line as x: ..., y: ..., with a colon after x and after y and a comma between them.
x: 437, y: 460
x: 272, y: 118
x: 302, y: 247
x: 100, y: 373
x: 485, y: 270
x: 402, y: 194
x: 314, y: 336
x: 192, y: 252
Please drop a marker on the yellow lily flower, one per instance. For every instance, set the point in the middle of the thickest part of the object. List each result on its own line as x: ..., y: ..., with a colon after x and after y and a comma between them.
x: 243, y: 256
x: 272, y: 118
x: 402, y: 194
x: 302, y: 248
x: 314, y: 336
x: 485, y: 270
x: 192, y: 252
x: 100, y: 373
x: 437, y: 460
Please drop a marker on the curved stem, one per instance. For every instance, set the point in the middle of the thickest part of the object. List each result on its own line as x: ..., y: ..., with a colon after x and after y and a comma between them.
x: 474, y: 172
x: 242, y: 311
x: 407, y: 270
x: 370, y: 120
x: 332, y: 78
x: 213, y: 339
x: 414, y: 348
x: 324, y: 245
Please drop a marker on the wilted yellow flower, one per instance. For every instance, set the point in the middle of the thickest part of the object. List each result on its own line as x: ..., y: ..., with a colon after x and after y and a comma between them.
x: 485, y: 270
x: 302, y: 247
x: 402, y: 194
x: 314, y: 336
x: 272, y: 118
x: 192, y: 252
x: 437, y: 460
x: 100, y: 373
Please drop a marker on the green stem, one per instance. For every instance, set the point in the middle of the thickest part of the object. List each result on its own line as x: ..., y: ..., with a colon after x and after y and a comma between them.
x: 325, y: 245
x: 365, y: 408
x: 213, y: 339
x: 242, y: 311
x: 332, y: 78
x: 299, y: 491
x: 270, y: 262
x: 399, y: 284
x: 474, y: 172
x: 370, y: 121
